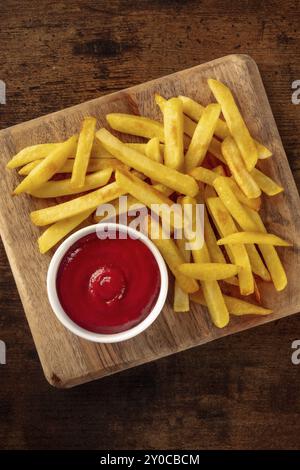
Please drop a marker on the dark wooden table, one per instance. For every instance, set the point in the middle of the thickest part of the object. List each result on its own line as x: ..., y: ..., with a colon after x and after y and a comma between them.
x: 239, y: 392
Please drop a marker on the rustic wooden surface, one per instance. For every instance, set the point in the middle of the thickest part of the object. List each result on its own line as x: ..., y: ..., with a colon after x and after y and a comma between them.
x: 233, y: 393
x: 66, y: 359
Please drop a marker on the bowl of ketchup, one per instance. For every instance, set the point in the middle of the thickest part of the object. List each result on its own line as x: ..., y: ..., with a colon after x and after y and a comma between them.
x: 107, y: 282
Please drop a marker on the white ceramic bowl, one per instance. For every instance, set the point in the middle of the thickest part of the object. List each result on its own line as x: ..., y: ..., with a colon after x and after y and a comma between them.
x: 62, y: 315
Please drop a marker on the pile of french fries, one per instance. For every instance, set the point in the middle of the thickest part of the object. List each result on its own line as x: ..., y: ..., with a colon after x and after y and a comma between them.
x: 193, y: 156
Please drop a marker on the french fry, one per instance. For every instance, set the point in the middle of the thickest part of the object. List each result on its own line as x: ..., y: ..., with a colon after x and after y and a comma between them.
x: 195, y: 110
x: 172, y: 256
x: 266, y: 184
x: 48, y: 167
x: 270, y: 255
x: 211, y: 289
x: 254, y: 203
x: 149, y: 196
x: 59, y: 230
x: 181, y: 298
x: 263, y: 152
x: 95, y: 164
x: 237, y: 253
x: 238, y: 169
x: 203, y: 174
x: 184, y: 184
x: 152, y: 150
x: 32, y: 153
x: 209, y: 271
x: 89, y: 201
x: 219, y: 170
x: 202, y: 136
x: 235, y: 208
x: 65, y: 188
x: 253, y: 237
x: 235, y: 122
x: 173, y: 132
x: 83, y: 152
x: 136, y: 125
x: 235, y: 306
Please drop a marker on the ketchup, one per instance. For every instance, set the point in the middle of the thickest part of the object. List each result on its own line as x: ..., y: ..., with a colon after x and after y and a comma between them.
x: 108, y: 285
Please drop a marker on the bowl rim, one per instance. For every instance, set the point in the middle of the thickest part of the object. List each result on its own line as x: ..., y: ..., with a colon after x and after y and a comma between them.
x: 63, y: 316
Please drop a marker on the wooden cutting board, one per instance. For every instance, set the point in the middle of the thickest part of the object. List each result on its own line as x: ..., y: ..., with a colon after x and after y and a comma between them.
x: 68, y: 360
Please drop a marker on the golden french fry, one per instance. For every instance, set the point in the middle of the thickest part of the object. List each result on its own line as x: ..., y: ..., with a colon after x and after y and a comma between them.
x: 95, y: 164
x: 195, y: 110
x: 211, y: 289
x: 48, y: 167
x: 202, y: 136
x: 266, y: 184
x: 152, y: 150
x: 254, y: 203
x: 237, y: 253
x: 235, y: 306
x: 136, y: 125
x: 270, y: 255
x: 89, y: 201
x: 83, y: 152
x: 173, y: 131
x: 181, y: 298
x: 238, y: 169
x: 32, y: 153
x: 65, y: 188
x: 257, y: 264
x: 233, y: 205
x: 172, y: 256
x: 263, y: 152
x: 136, y: 146
x: 149, y: 196
x: 219, y: 170
x: 253, y: 237
x: 203, y: 174
x: 184, y: 184
x: 209, y: 271
x: 235, y: 122
x: 59, y: 230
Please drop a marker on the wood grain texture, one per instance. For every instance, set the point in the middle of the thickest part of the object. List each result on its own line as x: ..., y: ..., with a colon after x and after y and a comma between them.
x: 68, y: 360
x: 239, y: 392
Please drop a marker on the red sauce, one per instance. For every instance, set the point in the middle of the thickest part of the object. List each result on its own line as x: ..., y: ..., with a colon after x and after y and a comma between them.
x: 110, y: 285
